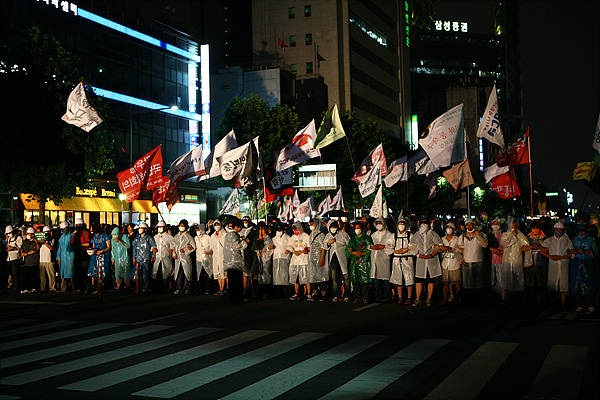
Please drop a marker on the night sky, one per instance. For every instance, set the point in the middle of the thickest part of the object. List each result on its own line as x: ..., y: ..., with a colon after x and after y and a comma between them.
x: 560, y: 70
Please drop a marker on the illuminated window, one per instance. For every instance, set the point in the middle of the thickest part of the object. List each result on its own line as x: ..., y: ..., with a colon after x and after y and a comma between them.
x: 307, y: 11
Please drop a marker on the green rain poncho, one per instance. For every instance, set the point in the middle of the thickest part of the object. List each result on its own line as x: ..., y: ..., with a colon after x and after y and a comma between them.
x: 118, y: 251
x: 360, y: 268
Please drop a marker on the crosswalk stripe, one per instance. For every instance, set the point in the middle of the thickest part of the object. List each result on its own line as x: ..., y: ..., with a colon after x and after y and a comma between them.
x: 76, y: 346
x: 33, y: 328
x: 374, y: 380
x: 157, y: 364
x: 56, y: 336
x: 97, y: 359
x: 561, y: 374
x: 12, y: 322
x: 479, y: 368
x: 279, y: 383
x: 206, y: 375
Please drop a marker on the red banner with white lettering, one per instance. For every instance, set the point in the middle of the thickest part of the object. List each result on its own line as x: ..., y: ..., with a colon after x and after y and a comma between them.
x: 515, y: 152
x: 506, y: 185
x: 159, y: 193
x: 146, y: 172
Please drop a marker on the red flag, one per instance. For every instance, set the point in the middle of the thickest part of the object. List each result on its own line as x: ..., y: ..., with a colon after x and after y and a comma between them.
x: 376, y: 155
x: 506, y: 185
x: 146, y: 172
x: 281, y: 44
x: 515, y: 152
x: 159, y: 194
x: 272, y: 196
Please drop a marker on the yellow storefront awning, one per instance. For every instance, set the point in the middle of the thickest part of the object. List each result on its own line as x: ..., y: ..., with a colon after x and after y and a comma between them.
x: 90, y: 204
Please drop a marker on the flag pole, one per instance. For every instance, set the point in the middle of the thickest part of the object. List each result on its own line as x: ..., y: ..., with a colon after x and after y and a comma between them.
x: 468, y: 186
x: 530, y: 175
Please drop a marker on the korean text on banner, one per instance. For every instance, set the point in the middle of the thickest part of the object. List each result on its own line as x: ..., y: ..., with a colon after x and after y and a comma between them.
x: 147, y: 172
x: 489, y: 127
x: 79, y: 110
x: 444, y: 138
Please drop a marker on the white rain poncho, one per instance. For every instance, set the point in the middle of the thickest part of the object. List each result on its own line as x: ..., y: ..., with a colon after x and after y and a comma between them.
x: 558, y: 271
x: 281, y: 261
x: 265, y: 260
x: 164, y: 259
x: 233, y: 257
x: 425, y: 242
x: 203, y: 252
x: 217, y: 241
x: 183, y: 241
x: 299, y: 263
x: 451, y: 259
x: 512, y: 277
x: 473, y: 273
x: 338, y: 247
x: 317, y: 237
x: 403, y: 265
x: 380, y: 259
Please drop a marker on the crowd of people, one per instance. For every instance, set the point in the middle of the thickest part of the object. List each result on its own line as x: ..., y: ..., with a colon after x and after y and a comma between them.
x: 408, y: 261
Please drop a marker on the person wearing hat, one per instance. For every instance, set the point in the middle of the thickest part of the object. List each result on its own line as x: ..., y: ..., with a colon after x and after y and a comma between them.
x: 14, y: 242
x: 428, y: 267
x: 182, y: 253
x: 47, y: 274
x: 80, y: 243
x: 334, y: 253
x: 299, y: 246
x: 359, y: 266
x: 281, y: 261
x: 217, y: 241
x: 99, y: 260
x: 451, y: 263
x: 403, y: 266
x: 144, y: 250
x: 164, y: 257
x: 65, y: 256
x: 513, y: 242
x: 381, y: 251
x: 582, y: 275
x: 119, y: 246
x: 558, y: 249
x: 473, y: 243
x: 536, y: 265
x: 204, y: 268
x: 29, y: 252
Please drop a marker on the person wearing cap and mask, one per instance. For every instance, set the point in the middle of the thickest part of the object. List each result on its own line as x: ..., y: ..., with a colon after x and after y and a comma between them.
x: 144, y: 250
x: 514, y: 242
x: 473, y: 243
x: 299, y: 246
x: 183, y: 248
x: 217, y: 240
x: 281, y: 260
x: 558, y: 249
x: 233, y: 261
x: 65, y: 256
x: 536, y: 265
x: 80, y: 243
x: 359, y: 266
x: 334, y: 253
x: 119, y: 246
x: 428, y: 267
x: 318, y: 272
x: 99, y: 260
x: 582, y: 275
x: 498, y: 275
x: 403, y: 267
x: 451, y: 263
x: 13, y: 257
x: 29, y: 252
x: 165, y: 243
x: 204, y: 268
x: 47, y: 275
x: 381, y: 251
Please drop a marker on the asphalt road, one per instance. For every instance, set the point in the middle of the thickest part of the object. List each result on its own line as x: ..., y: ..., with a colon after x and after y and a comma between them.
x: 67, y: 346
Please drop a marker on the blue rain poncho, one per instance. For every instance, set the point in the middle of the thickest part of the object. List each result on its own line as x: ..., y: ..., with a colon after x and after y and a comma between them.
x: 66, y: 255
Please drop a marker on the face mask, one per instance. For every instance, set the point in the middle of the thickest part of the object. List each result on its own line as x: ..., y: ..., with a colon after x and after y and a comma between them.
x: 358, y: 232
x: 471, y: 230
x: 141, y: 231
x: 312, y: 227
x: 401, y: 227
x: 10, y: 234
x: 246, y: 224
x: 200, y: 232
x: 379, y: 227
x: 28, y: 236
x: 279, y: 233
x: 558, y: 233
x: 115, y: 236
x: 296, y: 232
x: 182, y: 229
x: 161, y: 230
x: 449, y: 231
x: 333, y: 231
x: 495, y: 227
x: 228, y: 229
x: 423, y: 228
x: 217, y: 228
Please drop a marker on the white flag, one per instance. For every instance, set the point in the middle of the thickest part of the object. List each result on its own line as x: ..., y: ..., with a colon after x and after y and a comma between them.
x: 420, y: 164
x: 79, y: 110
x: 369, y: 182
x: 338, y: 201
x: 233, y: 162
x: 229, y: 142
x: 286, y: 212
x: 397, y: 171
x: 232, y: 205
x: 304, y: 209
x: 376, y: 210
x: 489, y: 127
x: 375, y: 157
x: 385, y: 210
x: 324, y: 207
x: 444, y: 138
x: 431, y: 183
x: 493, y: 171
x: 299, y: 149
x: 296, y: 201
x: 596, y: 142
x: 186, y: 166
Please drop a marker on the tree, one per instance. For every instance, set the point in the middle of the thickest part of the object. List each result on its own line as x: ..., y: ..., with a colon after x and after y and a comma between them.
x: 42, y: 155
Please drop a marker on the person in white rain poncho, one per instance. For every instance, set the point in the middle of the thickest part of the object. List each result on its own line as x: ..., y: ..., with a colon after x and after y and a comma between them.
x: 558, y: 249
x: 513, y: 241
x: 233, y: 260
x: 334, y: 252
x: 318, y: 271
x: 281, y: 258
x: 299, y: 245
x: 381, y: 250
x: 164, y: 258
x: 403, y: 266
x: 264, y: 247
x: 428, y: 263
x: 217, y: 240
x: 473, y: 243
x: 451, y: 262
x: 204, y: 267
x: 182, y: 253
